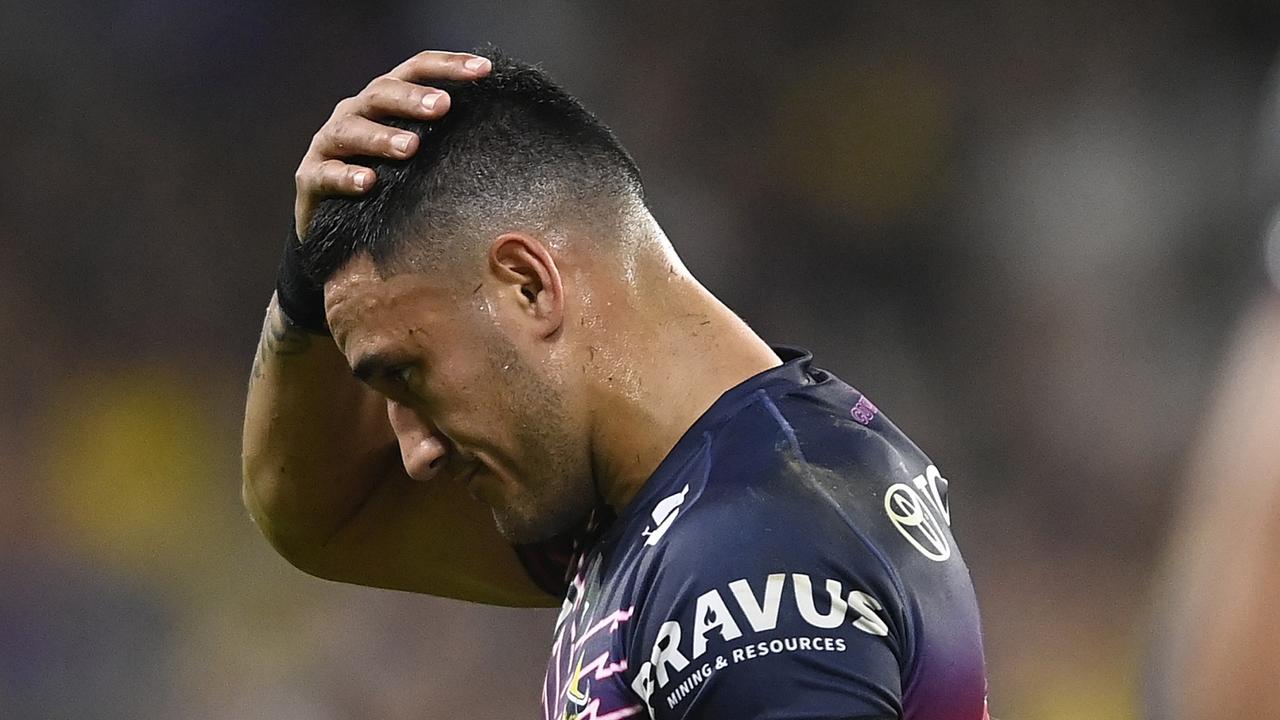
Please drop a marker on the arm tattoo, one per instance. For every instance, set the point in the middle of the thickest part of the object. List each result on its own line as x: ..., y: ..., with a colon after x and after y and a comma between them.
x: 279, y: 337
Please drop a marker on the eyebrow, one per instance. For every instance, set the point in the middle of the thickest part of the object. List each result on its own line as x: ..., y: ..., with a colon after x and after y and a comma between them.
x: 374, y: 364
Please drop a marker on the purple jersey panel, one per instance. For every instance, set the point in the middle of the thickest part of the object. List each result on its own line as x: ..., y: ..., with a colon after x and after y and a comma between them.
x: 792, y: 557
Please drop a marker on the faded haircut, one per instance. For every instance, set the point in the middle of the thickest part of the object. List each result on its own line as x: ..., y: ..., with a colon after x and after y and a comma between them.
x: 513, y: 152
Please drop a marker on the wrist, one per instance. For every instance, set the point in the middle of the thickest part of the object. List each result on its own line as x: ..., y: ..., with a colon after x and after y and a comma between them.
x: 299, y: 298
x: 286, y: 322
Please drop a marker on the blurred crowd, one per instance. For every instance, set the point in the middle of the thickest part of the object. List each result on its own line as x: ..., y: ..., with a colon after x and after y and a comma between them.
x: 1025, y: 229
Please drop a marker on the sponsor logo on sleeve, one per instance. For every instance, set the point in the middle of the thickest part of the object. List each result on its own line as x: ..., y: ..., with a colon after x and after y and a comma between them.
x: 919, y: 511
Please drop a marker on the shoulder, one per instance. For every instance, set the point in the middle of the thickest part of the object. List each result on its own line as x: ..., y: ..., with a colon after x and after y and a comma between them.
x: 825, y: 460
x: 750, y: 580
x: 822, y: 429
x: 842, y: 448
x: 810, y: 539
x: 815, y: 489
x: 794, y: 478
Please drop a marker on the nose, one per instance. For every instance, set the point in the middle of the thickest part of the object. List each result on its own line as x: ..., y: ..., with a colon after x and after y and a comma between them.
x: 422, y: 447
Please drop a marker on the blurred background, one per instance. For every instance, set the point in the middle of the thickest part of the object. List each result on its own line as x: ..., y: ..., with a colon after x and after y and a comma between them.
x: 1027, y: 230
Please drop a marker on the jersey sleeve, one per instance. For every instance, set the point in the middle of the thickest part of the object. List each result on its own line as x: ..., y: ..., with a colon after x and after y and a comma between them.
x: 767, y: 606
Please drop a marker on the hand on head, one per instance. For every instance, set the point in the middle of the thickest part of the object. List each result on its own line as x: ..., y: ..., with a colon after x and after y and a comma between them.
x: 353, y: 129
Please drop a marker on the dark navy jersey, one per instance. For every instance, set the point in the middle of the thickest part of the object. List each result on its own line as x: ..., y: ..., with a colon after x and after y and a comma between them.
x: 790, y: 558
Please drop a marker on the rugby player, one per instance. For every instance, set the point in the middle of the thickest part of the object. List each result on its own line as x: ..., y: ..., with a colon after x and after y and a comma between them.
x: 487, y: 375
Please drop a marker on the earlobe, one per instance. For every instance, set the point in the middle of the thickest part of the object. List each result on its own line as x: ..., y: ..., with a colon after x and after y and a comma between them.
x: 526, y: 266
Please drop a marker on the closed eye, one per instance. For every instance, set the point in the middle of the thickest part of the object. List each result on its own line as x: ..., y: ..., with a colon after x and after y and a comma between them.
x: 397, y: 377
x: 378, y: 366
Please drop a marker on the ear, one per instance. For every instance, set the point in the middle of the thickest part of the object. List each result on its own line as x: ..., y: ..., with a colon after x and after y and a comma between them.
x: 529, y: 278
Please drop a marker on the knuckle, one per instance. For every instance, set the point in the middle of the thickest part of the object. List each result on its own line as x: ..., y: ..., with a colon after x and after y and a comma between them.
x: 374, y: 85
x: 338, y: 133
x: 346, y: 106
x: 333, y: 173
x: 377, y: 95
x: 322, y: 143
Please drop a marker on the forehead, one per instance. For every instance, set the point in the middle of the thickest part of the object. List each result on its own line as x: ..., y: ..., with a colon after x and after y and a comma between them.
x: 364, y: 307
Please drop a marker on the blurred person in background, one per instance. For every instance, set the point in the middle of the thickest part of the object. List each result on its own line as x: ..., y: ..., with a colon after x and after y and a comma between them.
x: 1217, y: 649
x: 548, y: 409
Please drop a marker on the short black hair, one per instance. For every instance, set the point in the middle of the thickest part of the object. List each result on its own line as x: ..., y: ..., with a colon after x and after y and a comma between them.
x: 514, y: 149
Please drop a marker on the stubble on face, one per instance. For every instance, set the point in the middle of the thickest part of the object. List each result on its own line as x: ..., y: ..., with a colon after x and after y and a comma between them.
x: 555, y: 490
x: 542, y: 484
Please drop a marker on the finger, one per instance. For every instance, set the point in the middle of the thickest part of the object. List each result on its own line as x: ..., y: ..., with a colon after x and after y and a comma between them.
x: 335, y: 177
x: 355, y: 136
x: 392, y: 97
x: 438, y: 65
x: 331, y: 177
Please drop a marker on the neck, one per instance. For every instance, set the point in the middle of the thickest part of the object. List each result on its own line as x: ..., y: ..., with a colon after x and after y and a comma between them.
x: 658, y: 366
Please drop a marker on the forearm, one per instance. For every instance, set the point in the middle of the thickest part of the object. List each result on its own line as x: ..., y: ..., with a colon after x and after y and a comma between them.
x: 316, y: 441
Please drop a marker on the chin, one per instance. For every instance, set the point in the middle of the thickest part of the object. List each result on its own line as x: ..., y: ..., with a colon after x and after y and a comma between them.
x: 526, y: 528
x: 522, y: 531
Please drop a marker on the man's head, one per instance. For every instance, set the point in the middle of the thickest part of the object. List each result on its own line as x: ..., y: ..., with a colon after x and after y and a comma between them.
x: 448, y: 285
x: 514, y: 152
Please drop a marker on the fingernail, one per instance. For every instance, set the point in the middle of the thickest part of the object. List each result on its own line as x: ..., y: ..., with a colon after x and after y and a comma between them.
x: 361, y: 179
x: 401, y: 142
x: 429, y: 101
x: 476, y: 63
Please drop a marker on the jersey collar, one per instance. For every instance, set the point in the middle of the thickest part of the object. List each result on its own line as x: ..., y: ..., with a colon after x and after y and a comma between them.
x: 794, y: 371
